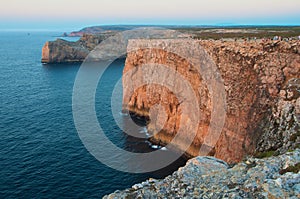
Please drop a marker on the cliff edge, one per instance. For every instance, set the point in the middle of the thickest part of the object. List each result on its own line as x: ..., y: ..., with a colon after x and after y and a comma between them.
x: 262, y: 88
x: 207, y: 177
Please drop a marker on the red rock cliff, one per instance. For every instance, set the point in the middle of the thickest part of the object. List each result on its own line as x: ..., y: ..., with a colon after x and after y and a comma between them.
x: 256, y: 78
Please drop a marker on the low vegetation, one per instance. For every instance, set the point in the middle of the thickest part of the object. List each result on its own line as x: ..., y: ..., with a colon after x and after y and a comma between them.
x: 265, y: 154
x: 238, y: 32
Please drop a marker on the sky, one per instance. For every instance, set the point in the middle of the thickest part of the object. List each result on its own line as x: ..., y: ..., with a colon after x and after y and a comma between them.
x: 68, y: 15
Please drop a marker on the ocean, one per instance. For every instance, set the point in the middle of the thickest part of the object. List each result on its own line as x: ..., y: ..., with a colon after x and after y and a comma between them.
x: 41, y: 154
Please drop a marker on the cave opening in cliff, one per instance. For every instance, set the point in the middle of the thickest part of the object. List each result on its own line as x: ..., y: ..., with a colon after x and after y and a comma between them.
x: 141, y: 121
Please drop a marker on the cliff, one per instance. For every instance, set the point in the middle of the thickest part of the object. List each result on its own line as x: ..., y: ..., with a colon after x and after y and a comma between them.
x: 207, y: 177
x: 261, y: 82
x: 61, y: 51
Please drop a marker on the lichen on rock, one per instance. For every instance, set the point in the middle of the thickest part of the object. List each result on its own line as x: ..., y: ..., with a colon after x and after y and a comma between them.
x: 207, y: 177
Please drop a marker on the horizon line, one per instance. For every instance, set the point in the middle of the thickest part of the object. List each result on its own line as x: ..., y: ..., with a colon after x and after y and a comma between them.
x: 156, y: 25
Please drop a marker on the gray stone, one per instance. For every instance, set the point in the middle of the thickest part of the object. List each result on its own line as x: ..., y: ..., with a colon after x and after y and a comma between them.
x: 206, y: 177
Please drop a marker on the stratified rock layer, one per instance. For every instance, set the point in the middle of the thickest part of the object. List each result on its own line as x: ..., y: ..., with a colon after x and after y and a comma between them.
x: 257, y: 79
x: 207, y: 177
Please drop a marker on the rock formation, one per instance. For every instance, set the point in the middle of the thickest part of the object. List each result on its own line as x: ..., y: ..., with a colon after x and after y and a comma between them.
x: 262, y: 91
x: 261, y: 82
x: 207, y: 177
x: 61, y: 51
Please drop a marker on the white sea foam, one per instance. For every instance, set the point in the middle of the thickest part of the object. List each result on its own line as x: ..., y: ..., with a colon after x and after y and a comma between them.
x: 164, y: 149
x: 145, y: 131
x: 155, y: 147
x: 123, y: 114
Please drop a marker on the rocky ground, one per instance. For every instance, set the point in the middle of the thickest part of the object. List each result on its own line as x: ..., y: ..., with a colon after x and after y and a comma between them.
x: 207, y: 177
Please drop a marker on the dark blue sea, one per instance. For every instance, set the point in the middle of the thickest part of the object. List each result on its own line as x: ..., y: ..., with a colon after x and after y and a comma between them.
x: 41, y: 155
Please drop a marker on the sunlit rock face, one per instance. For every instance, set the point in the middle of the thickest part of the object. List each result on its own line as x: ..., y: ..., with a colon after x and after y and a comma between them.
x: 256, y: 80
x: 62, y: 51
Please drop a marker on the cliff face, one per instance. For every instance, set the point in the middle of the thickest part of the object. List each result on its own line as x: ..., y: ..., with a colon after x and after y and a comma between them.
x: 262, y: 91
x: 61, y: 51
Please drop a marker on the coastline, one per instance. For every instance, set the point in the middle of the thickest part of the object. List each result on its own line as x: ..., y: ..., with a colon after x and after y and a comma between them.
x: 267, y: 70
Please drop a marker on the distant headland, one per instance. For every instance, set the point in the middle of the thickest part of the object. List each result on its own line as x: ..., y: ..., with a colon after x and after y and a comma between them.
x: 62, y: 51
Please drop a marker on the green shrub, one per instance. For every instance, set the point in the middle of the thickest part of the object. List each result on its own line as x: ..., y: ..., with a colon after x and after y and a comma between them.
x: 265, y: 154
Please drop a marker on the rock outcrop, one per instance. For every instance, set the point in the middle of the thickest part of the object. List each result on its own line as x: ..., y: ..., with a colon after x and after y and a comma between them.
x: 281, y: 130
x: 62, y: 51
x: 261, y: 82
x: 207, y: 177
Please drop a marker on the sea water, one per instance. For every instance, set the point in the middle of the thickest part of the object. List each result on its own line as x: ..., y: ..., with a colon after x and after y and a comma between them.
x: 41, y: 154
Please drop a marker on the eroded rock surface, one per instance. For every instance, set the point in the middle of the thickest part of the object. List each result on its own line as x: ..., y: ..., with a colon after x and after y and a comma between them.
x: 281, y: 131
x: 207, y: 177
x: 262, y: 91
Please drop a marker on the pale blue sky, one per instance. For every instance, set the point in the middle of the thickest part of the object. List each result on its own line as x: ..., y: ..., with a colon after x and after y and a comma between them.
x: 74, y: 14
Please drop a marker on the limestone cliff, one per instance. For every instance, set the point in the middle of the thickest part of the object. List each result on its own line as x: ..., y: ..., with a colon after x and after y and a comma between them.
x: 262, y: 91
x: 61, y: 51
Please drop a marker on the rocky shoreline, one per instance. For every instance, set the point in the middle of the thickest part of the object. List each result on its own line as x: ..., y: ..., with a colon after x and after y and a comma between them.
x: 208, y: 177
x: 263, y: 95
x: 262, y: 84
